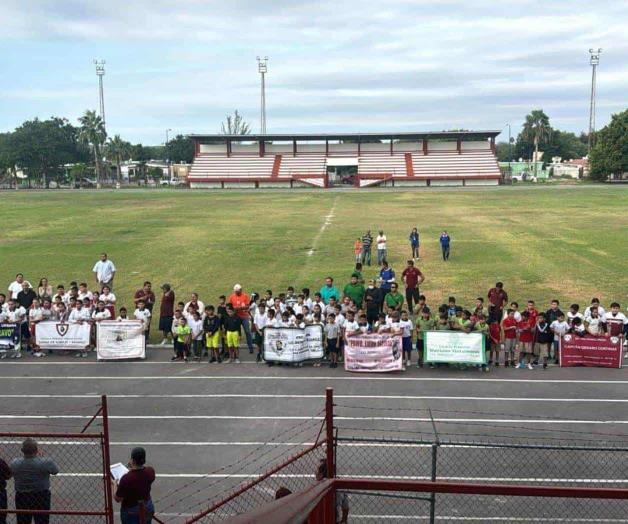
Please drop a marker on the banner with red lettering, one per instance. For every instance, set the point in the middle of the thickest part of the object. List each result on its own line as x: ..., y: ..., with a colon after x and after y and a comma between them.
x: 373, y: 353
x: 590, y: 351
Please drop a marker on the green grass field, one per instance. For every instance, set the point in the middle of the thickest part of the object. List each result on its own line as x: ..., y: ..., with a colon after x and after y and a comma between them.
x: 568, y: 243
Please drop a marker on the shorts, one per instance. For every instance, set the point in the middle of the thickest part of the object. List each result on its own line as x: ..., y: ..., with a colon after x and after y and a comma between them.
x: 510, y: 344
x: 165, y: 323
x: 332, y: 346
x: 233, y: 339
x: 406, y: 344
x: 526, y: 347
x: 541, y: 349
x: 212, y: 341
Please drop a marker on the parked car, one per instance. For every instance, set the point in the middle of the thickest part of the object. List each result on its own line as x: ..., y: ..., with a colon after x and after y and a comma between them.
x: 172, y: 182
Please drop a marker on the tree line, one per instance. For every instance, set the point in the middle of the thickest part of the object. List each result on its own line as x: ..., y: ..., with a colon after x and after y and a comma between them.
x: 609, y: 154
x: 55, y: 150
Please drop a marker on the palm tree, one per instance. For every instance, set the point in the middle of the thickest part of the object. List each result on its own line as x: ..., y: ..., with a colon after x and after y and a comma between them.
x: 118, y: 149
x: 92, y: 132
x: 536, y: 129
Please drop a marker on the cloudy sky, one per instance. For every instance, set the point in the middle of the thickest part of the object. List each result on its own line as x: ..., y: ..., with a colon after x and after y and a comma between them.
x: 354, y: 66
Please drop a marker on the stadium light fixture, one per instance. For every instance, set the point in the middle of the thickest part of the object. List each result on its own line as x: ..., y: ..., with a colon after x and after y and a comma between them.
x: 262, y: 68
x: 100, y: 72
x: 594, y: 60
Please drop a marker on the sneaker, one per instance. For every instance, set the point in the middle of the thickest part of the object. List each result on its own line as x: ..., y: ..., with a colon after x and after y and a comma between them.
x: 228, y: 361
x: 237, y: 360
x: 18, y: 355
x: 164, y: 342
x: 219, y: 360
x: 3, y: 356
x: 212, y: 360
x: 432, y: 366
x: 38, y: 354
x: 174, y: 359
x: 78, y: 355
x: 530, y: 366
x: 185, y: 359
x: 84, y: 354
x: 544, y: 366
x: 496, y: 364
x: 487, y: 369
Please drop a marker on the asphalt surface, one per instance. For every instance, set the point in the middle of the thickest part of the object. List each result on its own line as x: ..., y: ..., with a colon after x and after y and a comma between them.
x: 208, y: 427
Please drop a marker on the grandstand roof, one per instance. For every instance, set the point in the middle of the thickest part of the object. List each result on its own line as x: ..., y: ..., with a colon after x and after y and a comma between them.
x: 468, y: 135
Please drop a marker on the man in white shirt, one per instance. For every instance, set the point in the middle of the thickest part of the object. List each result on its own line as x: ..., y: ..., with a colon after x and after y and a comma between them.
x: 381, y: 247
x: 104, y: 270
x: 16, y: 286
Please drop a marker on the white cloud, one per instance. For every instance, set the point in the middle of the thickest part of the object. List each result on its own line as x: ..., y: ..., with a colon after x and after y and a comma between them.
x: 363, y: 65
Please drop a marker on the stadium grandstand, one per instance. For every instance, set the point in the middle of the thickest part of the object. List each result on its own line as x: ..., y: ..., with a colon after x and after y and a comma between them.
x: 447, y: 158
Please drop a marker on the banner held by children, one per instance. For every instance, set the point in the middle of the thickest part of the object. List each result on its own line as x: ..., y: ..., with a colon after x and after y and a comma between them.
x: 453, y: 347
x: 373, y: 353
x: 9, y: 337
x: 120, y: 340
x: 590, y: 351
x: 60, y: 335
x: 293, y: 344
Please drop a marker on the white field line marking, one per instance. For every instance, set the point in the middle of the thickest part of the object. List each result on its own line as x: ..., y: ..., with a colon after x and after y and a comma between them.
x: 322, y: 229
x: 383, y: 477
x: 336, y: 397
x: 322, y: 377
x: 297, y: 417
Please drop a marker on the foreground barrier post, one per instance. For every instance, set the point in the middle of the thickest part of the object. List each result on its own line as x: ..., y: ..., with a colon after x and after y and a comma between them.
x: 330, y: 499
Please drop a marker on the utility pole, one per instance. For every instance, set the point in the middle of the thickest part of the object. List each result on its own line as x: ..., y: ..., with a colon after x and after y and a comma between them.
x: 594, y: 60
x: 262, y: 67
x: 100, y: 72
x: 509, y: 151
x: 168, y: 158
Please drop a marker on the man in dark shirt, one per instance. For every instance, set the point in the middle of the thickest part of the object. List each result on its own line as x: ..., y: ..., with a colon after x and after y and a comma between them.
x: 498, y: 297
x: 5, y: 474
x: 412, y: 277
x: 166, y: 312
x: 373, y: 299
x: 135, y: 486
x: 553, y: 312
x: 32, y: 482
x: 26, y: 296
x: 367, y: 242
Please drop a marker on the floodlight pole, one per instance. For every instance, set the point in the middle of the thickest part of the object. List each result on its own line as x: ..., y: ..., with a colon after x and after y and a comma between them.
x: 509, y: 150
x: 262, y: 67
x: 100, y: 72
x: 594, y: 60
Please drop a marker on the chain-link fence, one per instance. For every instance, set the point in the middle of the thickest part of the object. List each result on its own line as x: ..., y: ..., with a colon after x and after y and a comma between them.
x: 481, y: 463
x: 286, y: 463
x: 78, y: 489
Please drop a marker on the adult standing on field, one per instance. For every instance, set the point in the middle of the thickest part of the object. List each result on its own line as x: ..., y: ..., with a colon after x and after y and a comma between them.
x: 381, y: 247
x: 498, y: 297
x: 5, y: 474
x: 329, y: 290
x: 367, y: 244
x: 241, y: 302
x: 355, y: 291
x: 16, y: 286
x: 445, y: 241
x: 414, y: 243
x: 105, y: 271
x: 166, y: 312
x: 412, y: 277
